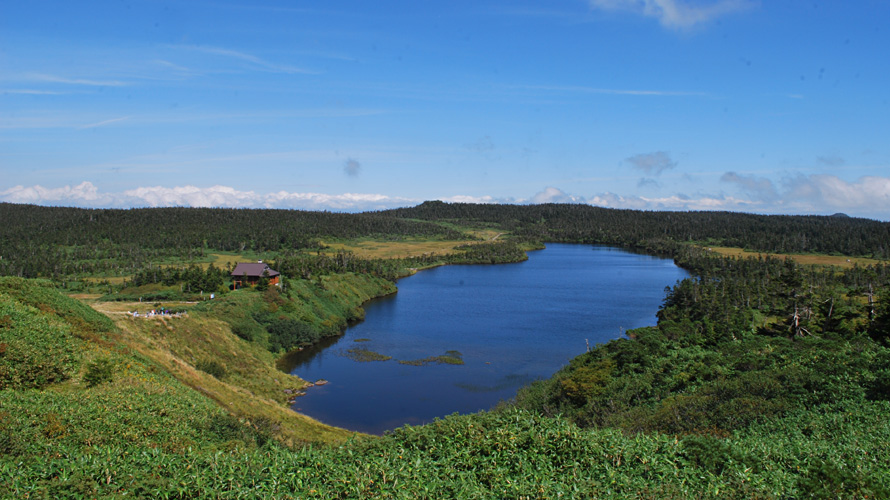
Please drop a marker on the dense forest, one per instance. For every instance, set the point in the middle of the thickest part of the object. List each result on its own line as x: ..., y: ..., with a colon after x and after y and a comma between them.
x: 58, y: 242
x: 764, y: 378
x: 573, y: 223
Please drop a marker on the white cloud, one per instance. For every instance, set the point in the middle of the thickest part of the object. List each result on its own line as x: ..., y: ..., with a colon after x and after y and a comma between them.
x: 191, y: 196
x: 254, y: 61
x: 40, y: 77
x: 813, y: 194
x: 675, y: 14
x: 554, y: 195
x: 346, y: 202
x: 870, y: 194
x: 675, y: 202
x: 805, y: 194
x: 85, y: 192
x: 474, y: 199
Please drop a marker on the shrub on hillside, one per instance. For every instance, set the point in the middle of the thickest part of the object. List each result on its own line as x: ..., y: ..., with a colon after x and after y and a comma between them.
x: 43, y: 295
x: 36, y: 349
x: 247, y: 330
x: 212, y: 368
x: 99, y: 372
x: 287, y: 334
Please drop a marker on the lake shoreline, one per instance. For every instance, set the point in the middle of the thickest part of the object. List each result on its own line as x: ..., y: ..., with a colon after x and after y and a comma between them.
x: 562, y: 315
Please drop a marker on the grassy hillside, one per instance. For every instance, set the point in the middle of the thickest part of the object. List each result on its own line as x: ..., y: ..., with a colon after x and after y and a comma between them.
x: 73, y: 378
x: 836, y: 452
x: 68, y: 381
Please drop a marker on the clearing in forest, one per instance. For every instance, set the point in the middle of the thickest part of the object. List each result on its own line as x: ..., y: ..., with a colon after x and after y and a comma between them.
x: 811, y: 259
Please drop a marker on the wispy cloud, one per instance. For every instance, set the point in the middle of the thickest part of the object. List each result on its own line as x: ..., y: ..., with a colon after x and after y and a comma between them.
x: 676, y: 14
x: 30, y: 92
x: 630, y: 92
x: 56, y: 120
x: 103, y: 123
x: 814, y: 194
x: 251, y: 59
x: 40, y: 77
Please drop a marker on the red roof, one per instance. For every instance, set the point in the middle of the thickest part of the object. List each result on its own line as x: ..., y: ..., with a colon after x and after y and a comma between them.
x: 253, y: 269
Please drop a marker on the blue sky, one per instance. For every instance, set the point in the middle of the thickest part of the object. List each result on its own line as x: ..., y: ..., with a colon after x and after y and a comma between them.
x: 766, y: 107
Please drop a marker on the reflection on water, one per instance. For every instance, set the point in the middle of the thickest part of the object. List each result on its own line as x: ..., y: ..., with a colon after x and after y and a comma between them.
x: 508, y: 382
x: 511, y: 323
x: 295, y: 360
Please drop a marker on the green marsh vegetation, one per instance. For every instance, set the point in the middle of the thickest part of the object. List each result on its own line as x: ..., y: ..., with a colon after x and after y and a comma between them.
x: 362, y: 355
x: 449, y: 358
x: 764, y: 378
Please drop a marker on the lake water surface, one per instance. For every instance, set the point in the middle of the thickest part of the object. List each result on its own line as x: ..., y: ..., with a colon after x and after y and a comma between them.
x: 511, y: 324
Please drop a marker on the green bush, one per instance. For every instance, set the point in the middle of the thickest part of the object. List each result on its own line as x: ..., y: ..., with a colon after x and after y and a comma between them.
x: 712, y: 454
x: 9, y: 440
x: 233, y: 432
x: 212, y: 367
x: 828, y: 480
x: 286, y: 334
x: 99, y: 372
x: 247, y: 330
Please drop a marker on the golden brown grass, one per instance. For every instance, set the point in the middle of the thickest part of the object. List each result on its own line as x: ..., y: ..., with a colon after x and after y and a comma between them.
x: 221, y: 259
x: 251, y: 388
x: 393, y: 250
x: 822, y: 260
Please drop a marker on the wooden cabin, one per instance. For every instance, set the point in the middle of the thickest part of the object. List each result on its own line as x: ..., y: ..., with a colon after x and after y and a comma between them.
x: 249, y: 274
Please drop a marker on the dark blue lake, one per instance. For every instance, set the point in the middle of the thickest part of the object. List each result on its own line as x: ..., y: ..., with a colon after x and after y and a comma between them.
x: 511, y: 324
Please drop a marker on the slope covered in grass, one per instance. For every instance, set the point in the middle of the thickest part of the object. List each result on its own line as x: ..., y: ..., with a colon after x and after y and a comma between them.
x: 506, y: 454
x: 74, y: 381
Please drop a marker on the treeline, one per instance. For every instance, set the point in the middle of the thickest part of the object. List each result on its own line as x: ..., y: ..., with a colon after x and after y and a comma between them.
x: 730, y: 295
x: 303, y: 265
x: 659, y: 231
x: 746, y: 341
x: 193, y: 278
x: 58, y: 242
x: 54, y: 242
